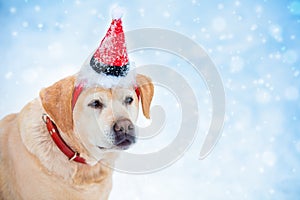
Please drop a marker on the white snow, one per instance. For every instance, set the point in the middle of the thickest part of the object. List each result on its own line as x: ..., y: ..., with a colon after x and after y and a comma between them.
x: 13, y: 10
x: 294, y: 7
x: 291, y: 93
x: 269, y: 158
x: 219, y: 24
x: 142, y: 12
x: 297, y: 145
x: 8, y: 75
x: 236, y: 64
x: 220, y: 6
x: 37, y: 8
x: 40, y: 26
x: 254, y: 45
x: 56, y: 50
x: 30, y: 75
x: 263, y: 96
x: 276, y: 32
x: 290, y: 56
x: 117, y: 12
x: 166, y: 14
x: 25, y: 24
x: 14, y: 33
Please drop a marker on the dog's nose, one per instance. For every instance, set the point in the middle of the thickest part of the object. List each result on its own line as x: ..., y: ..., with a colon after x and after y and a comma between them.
x: 123, y: 126
x: 124, y: 133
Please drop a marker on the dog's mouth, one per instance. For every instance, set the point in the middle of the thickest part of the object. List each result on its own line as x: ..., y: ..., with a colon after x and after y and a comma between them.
x: 121, y: 143
x: 125, y: 142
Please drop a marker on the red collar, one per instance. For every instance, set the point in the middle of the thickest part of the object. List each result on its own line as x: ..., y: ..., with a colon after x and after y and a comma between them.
x: 60, y: 143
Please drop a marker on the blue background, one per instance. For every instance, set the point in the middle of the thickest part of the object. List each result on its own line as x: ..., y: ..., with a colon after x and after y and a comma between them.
x: 255, y: 46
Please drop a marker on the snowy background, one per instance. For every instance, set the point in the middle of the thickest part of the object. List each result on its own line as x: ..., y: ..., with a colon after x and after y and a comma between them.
x: 255, y: 46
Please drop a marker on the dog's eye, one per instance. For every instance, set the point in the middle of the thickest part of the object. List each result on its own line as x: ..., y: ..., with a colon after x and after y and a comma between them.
x: 96, y: 104
x: 128, y: 100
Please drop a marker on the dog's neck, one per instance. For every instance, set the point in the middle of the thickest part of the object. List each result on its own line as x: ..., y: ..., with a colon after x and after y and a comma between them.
x: 37, y: 140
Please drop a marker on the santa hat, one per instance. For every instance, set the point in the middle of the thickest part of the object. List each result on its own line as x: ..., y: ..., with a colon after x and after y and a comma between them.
x: 111, y: 57
x: 109, y: 65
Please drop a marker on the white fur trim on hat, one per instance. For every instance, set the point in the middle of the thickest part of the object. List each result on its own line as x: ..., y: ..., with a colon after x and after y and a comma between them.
x: 91, y: 78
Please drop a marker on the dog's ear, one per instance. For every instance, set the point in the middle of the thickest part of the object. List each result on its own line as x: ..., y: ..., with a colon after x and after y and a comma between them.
x: 56, y: 101
x: 146, y: 89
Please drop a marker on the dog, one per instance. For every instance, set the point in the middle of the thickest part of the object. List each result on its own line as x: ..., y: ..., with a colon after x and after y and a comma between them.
x: 96, y: 128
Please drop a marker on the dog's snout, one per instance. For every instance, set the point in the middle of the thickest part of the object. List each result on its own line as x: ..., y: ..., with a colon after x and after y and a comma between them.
x: 124, y: 133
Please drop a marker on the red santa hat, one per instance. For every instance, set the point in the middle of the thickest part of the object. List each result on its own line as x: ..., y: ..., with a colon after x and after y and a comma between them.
x: 111, y: 56
x: 109, y: 65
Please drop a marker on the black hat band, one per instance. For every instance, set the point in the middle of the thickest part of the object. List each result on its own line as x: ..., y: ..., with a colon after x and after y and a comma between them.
x: 108, y: 69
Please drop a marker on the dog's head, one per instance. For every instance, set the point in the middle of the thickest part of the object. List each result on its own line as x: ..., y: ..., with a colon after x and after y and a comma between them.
x: 102, y: 119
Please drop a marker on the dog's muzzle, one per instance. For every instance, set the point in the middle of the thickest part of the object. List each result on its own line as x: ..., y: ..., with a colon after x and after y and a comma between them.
x: 124, y: 133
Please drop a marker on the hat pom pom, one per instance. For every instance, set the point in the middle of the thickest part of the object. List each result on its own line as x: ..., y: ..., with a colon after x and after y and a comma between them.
x: 117, y: 12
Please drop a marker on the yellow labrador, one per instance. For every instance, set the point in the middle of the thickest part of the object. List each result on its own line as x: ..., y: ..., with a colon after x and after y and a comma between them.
x: 31, y: 164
